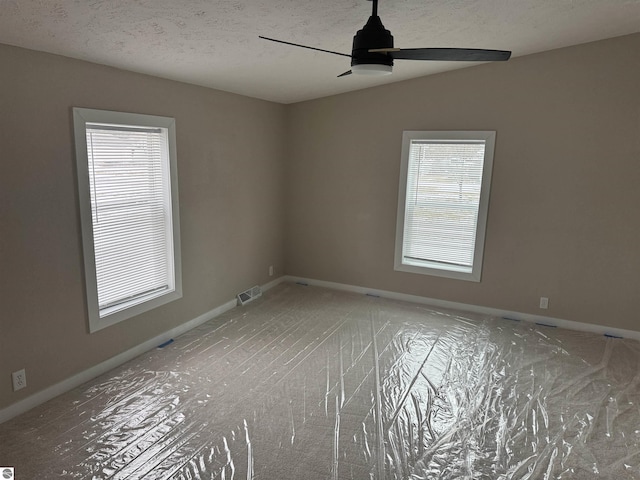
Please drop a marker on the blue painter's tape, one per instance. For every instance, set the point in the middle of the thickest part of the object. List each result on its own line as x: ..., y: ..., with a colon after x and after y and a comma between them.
x: 372, y: 295
x: 512, y: 319
x: 546, y: 325
x: 168, y: 342
x: 302, y: 283
x: 608, y: 335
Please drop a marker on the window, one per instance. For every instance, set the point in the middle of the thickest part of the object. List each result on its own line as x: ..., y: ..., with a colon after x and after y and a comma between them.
x: 443, y: 201
x: 127, y: 183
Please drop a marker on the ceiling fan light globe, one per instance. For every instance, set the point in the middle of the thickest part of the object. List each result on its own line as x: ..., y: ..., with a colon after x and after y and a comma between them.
x: 371, y: 69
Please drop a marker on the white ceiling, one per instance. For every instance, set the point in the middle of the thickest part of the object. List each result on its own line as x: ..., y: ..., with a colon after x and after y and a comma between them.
x: 215, y: 43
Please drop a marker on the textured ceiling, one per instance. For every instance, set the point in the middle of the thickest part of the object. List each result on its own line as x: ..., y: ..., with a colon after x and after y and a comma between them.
x: 215, y: 43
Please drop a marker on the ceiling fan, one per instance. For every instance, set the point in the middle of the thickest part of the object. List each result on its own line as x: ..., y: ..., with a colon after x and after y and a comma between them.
x: 373, y: 52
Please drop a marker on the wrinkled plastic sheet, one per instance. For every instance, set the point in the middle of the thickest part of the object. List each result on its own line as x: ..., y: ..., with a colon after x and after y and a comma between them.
x: 309, y: 383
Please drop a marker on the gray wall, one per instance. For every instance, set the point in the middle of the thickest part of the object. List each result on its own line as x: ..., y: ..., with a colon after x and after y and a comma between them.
x: 230, y: 172
x: 564, y: 219
x: 319, y: 181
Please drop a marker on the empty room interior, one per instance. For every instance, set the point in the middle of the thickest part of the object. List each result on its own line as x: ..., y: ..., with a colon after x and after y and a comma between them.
x: 223, y: 258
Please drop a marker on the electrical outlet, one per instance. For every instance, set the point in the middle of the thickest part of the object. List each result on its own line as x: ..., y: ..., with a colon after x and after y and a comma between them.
x: 271, y: 270
x: 544, y: 303
x: 19, y: 379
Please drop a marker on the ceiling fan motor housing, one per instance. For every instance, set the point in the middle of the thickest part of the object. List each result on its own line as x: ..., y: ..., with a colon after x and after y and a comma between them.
x: 373, y: 35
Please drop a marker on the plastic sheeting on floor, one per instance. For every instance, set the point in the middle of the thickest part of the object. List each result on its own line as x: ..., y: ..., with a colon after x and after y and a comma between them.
x: 308, y: 383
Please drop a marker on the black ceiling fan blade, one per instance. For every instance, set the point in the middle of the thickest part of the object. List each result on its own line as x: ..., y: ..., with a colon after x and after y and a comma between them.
x: 449, y: 54
x: 304, y: 46
x: 348, y: 72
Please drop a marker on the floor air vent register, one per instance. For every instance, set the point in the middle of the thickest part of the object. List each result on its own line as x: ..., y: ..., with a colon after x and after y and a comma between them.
x: 249, y: 295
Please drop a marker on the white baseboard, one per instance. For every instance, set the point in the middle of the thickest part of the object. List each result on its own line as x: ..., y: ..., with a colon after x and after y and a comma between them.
x: 495, y: 312
x: 78, y: 379
x: 86, y: 375
x: 273, y: 283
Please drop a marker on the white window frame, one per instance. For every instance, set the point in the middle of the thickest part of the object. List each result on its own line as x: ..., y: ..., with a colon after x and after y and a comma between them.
x: 424, y: 267
x: 99, y: 319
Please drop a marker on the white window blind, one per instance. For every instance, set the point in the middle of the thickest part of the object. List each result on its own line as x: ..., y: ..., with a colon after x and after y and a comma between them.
x: 131, y: 213
x: 443, y: 202
x: 443, y: 195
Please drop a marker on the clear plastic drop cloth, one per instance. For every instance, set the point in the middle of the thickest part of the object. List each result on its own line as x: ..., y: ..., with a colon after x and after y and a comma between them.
x: 309, y: 383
